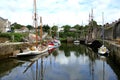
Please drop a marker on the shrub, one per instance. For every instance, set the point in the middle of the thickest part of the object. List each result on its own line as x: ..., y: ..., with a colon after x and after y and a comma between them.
x: 17, y: 36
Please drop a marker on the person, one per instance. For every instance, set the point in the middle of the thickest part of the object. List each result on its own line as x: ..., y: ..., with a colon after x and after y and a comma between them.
x: 21, y: 51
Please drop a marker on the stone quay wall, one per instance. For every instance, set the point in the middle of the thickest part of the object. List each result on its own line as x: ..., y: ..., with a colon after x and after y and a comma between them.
x: 8, y: 49
x: 114, y: 48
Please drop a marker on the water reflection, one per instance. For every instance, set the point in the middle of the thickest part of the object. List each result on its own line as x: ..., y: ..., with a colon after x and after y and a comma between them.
x: 68, y: 62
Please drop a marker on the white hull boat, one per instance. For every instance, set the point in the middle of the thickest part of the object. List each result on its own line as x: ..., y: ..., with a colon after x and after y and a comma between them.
x: 76, y: 41
x: 102, y: 50
x: 32, y: 52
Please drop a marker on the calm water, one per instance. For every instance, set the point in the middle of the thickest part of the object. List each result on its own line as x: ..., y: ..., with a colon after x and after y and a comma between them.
x: 68, y: 62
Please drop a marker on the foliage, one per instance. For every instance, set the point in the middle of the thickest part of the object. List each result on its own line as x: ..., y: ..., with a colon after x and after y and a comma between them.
x: 7, y: 35
x: 67, y: 34
x: 17, y: 36
x: 30, y: 27
x: 93, y: 24
x: 12, y: 29
x: 81, y: 30
x: 78, y: 27
x: 54, y: 30
x: 46, y: 28
x: 16, y: 25
x: 66, y: 28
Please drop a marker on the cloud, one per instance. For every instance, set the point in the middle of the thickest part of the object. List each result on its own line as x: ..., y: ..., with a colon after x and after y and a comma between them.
x: 60, y: 12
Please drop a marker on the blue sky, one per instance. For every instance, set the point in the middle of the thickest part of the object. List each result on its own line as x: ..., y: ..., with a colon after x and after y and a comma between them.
x: 60, y: 12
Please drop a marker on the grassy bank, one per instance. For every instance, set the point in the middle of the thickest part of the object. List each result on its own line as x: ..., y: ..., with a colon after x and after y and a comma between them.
x: 12, y: 37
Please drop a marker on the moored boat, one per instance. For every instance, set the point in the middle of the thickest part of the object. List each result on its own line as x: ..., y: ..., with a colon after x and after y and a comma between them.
x: 76, y: 41
x: 103, y: 50
x: 33, y: 51
x: 38, y: 48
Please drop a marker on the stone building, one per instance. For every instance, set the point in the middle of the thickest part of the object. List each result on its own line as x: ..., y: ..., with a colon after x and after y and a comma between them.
x: 116, y: 29
x: 4, y: 25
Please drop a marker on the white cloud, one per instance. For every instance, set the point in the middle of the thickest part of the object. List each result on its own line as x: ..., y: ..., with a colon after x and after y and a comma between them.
x: 60, y: 12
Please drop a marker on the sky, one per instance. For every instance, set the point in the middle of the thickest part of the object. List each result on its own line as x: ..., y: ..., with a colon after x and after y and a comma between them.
x: 60, y: 12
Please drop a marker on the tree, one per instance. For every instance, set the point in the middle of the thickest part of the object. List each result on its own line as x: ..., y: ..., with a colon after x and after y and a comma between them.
x: 54, y: 30
x: 12, y: 29
x: 29, y: 27
x: 46, y: 28
x: 77, y: 27
x: 93, y: 24
x: 16, y: 25
x: 66, y: 28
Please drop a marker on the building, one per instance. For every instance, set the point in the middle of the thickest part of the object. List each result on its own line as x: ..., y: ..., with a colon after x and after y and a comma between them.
x: 4, y: 25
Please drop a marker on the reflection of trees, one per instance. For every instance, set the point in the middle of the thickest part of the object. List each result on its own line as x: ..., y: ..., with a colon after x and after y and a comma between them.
x: 4, y: 69
x: 67, y: 50
x: 79, y: 50
x: 55, y: 53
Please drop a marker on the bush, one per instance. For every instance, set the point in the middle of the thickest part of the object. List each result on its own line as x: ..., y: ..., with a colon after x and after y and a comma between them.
x: 17, y: 36
x: 5, y: 35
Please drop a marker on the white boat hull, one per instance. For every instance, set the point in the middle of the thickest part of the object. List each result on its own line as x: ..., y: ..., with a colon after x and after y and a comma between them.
x: 76, y: 41
x: 102, y: 50
x: 32, y: 53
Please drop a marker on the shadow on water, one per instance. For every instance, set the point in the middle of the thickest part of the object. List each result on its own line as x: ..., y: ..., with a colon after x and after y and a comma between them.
x: 7, y: 65
x: 68, y: 62
x: 113, y: 61
x: 23, y: 68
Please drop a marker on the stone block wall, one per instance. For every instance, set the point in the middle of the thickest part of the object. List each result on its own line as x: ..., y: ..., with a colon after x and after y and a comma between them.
x: 109, y: 33
x: 7, y: 50
x: 116, y: 30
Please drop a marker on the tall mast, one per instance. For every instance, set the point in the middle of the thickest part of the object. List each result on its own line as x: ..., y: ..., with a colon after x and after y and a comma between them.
x: 91, y: 14
x: 35, y: 22
x: 89, y: 18
x: 41, y: 28
x: 103, y: 26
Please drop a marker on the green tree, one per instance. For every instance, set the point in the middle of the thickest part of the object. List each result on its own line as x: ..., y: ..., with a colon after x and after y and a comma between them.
x: 46, y: 28
x: 29, y: 27
x: 12, y: 29
x: 66, y: 28
x: 93, y: 24
x: 16, y: 25
x: 54, y: 30
x: 77, y: 27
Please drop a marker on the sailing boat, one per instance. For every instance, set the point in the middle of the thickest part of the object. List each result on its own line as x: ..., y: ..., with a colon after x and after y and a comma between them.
x: 38, y: 49
x: 103, y: 50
